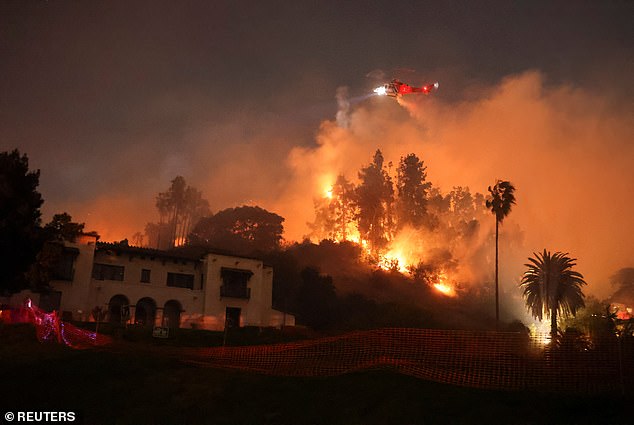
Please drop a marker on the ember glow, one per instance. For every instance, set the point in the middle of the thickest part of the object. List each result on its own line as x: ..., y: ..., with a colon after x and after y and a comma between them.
x: 403, y: 252
x: 394, y: 260
x: 443, y: 285
x: 445, y: 289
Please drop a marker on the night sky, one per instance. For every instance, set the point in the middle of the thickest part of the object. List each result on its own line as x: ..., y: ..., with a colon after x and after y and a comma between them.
x: 112, y: 100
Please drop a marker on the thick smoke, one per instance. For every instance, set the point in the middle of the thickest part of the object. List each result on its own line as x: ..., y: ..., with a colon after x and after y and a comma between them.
x: 343, y: 107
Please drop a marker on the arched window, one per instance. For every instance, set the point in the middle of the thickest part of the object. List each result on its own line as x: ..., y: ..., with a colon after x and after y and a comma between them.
x: 172, y: 314
x: 119, y: 309
x: 145, y: 312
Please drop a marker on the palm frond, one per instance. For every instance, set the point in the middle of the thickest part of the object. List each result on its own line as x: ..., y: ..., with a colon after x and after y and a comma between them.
x: 502, y: 199
x: 549, y: 284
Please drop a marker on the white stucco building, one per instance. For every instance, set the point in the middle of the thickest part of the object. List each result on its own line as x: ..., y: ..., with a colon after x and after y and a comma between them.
x: 158, y: 288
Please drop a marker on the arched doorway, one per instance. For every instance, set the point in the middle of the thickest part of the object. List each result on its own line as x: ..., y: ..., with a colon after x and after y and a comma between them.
x: 145, y: 312
x: 119, y: 309
x: 172, y: 314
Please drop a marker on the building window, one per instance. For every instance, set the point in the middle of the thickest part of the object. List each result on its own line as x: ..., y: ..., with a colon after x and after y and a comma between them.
x: 145, y: 275
x: 232, y: 317
x: 234, y: 283
x: 180, y: 280
x: 63, y: 268
x: 107, y: 272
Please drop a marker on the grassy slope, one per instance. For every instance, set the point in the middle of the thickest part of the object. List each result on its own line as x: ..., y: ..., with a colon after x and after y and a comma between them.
x: 134, y: 387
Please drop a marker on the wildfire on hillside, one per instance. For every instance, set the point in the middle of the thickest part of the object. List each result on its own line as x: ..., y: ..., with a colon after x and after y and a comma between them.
x: 419, y: 236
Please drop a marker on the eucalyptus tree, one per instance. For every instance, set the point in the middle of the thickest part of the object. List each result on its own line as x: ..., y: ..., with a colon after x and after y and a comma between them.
x: 180, y: 208
x: 413, y: 189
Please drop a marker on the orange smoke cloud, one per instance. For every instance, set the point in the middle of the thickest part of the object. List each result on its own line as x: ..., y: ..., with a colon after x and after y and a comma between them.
x: 114, y: 216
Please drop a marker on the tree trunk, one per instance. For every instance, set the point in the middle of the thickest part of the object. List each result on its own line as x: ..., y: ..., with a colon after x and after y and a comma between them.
x: 553, y: 324
x: 173, y: 227
x: 497, y: 295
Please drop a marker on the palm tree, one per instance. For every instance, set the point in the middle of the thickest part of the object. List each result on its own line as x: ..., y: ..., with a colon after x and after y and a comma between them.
x: 500, y: 203
x: 552, y: 288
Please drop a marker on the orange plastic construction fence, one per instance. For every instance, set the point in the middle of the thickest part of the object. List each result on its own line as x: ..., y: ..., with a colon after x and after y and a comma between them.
x: 486, y: 360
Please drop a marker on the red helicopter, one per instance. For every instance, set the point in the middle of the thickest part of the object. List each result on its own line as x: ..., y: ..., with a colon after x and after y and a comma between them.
x: 397, y: 88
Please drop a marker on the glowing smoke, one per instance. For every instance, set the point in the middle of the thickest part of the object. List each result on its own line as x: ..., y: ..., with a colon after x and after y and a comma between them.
x: 343, y: 107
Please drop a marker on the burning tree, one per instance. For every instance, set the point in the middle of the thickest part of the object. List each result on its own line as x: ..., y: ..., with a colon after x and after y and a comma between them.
x: 335, y: 213
x: 375, y: 199
x: 343, y: 208
x: 406, y: 229
x: 413, y: 189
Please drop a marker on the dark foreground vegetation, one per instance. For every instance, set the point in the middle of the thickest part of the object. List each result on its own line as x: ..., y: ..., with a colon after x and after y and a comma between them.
x: 121, y: 387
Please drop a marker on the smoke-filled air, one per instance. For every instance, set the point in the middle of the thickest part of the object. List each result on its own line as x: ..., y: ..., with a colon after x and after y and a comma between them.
x: 566, y: 149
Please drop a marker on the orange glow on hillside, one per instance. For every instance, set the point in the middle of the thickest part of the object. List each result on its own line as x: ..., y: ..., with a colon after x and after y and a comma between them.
x: 403, y: 252
x: 394, y: 260
x: 445, y: 289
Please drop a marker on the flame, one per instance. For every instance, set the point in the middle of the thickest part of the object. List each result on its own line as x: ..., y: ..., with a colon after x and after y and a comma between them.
x: 443, y: 286
x: 328, y: 192
x: 445, y: 289
x: 353, y: 237
x: 404, y: 251
x: 394, y: 259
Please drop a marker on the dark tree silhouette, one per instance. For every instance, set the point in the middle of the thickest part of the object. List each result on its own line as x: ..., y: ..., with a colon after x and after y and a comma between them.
x: 551, y: 288
x: 500, y: 203
x: 180, y: 208
x: 623, y: 283
x: 323, y: 226
x: 461, y: 220
x: 335, y: 213
x: 462, y: 203
x: 153, y: 233
x: 316, y: 300
x: 242, y: 230
x: 286, y: 279
x: 343, y: 207
x: 20, y: 232
x: 413, y: 189
x: 374, y: 198
x: 49, y: 262
x: 62, y: 228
